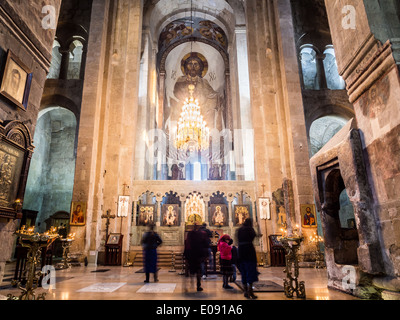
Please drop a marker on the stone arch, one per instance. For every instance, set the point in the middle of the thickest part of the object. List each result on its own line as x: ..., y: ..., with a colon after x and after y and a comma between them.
x: 62, y: 101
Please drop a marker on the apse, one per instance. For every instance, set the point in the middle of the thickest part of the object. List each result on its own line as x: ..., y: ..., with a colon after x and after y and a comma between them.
x: 193, y: 50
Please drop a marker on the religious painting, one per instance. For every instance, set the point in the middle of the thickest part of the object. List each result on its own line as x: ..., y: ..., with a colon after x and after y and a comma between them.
x: 264, y: 207
x: 308, y: 216
x: 181, y: 29
x: 114, y: 238
x: 11, y: 162
x: 194, y: 210
x: 212, y: 31
x: 123, y: 206
x: 78, y: 213
x: 170, y: 215
x: 16, y: 81
x: 147, y: 214
x: 218, y: 215
x: 281, y: 218
x: 241, y: 213
x: 194, y: 67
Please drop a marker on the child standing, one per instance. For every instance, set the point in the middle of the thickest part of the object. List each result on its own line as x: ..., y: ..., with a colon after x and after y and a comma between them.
x: 225, y: 249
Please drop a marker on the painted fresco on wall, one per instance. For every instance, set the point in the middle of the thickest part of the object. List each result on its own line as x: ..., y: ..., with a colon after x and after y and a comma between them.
x: 194, y: 67
x: 181, y: 29
x: 374, y: 101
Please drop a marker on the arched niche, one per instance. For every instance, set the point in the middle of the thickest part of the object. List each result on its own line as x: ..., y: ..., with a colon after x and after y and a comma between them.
x: 75, y: 59
x: 51, y: 175
x: 342, y: 240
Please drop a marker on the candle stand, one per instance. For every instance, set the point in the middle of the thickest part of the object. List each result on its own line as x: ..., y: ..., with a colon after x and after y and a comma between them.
x: 66, y: 244
x: 34, y: 242
x: 291, y: 283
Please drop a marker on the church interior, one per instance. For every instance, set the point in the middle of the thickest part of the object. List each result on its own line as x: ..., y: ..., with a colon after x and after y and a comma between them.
x: 120, y: 114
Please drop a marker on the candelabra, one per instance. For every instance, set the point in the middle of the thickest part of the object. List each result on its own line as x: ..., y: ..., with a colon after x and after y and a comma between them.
x: 34, y: 242
x: 292, y: 243
x: 66, y: 244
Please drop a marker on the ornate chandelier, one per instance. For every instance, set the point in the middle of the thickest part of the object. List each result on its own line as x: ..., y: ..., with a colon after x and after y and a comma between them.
x: 192, y: 132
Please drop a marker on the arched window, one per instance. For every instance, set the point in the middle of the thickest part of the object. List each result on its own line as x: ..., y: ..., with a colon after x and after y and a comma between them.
x: 333, y: 79
x: 55, y: 67
x: 75, y: 60
x: 309, y: 67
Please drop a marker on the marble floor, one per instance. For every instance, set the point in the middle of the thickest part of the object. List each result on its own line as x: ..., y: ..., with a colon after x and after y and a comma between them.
x: 124, y: 283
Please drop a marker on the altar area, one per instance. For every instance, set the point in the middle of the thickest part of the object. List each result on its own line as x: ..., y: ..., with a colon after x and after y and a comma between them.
x: 174, y: 207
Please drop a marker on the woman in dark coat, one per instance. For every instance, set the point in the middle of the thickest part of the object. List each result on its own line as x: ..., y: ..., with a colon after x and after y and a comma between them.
x: 151, y: 240
x: 247, y: 257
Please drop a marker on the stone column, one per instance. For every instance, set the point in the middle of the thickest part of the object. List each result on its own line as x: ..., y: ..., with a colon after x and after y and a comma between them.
x: 88, y: 170
x: 159, y: 199
x: 64, y: 63
x: 321, y: 75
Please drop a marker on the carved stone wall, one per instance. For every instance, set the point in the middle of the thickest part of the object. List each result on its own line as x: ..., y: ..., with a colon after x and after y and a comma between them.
x: 22, y: 32
x: 365, y: 38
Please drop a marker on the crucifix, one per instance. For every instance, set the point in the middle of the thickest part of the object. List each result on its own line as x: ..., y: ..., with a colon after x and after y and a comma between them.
x: 108, y: 216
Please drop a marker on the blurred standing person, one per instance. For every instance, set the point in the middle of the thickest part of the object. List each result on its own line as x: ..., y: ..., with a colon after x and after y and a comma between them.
x: 247, y: 257
x: 196, y: 251
x: 210, y: 256
x: 150, y: 241
x: 234, y: 263
x: 225, y: 249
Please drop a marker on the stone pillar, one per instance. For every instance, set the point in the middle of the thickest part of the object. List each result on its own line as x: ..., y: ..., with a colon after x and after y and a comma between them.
x: 280, y: 136
x: 321, y: 75
x: 88, y: 170
x: 107, y: 127
x: 159, y: 199
x: 64, y: 63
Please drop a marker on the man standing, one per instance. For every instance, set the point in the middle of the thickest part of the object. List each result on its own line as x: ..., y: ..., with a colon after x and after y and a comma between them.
x: 151, y: 240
